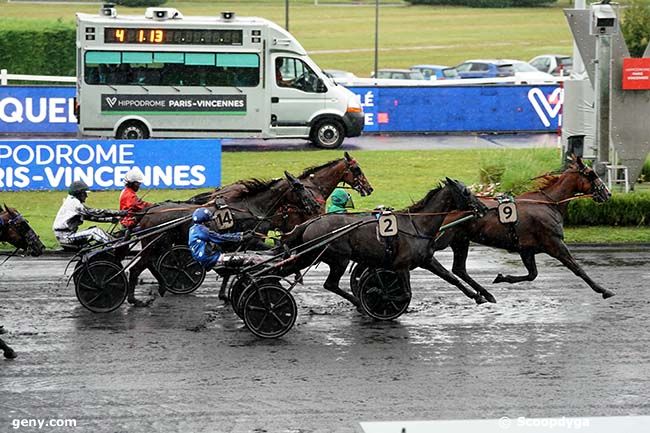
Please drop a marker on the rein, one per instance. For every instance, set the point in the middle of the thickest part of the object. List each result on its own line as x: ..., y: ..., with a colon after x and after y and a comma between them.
x: 549, y: 202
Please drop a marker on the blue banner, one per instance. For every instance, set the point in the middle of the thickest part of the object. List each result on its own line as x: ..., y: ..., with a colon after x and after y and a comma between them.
x: 102, y: 164
x: 490, y: 108
x: 37, y: 110
x: 437, y: 109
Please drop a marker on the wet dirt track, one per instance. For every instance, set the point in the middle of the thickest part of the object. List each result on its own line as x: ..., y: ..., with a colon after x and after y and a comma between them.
x: 548, y: 348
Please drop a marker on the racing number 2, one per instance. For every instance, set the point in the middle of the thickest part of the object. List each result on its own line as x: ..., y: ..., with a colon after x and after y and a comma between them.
x: 387, y: 225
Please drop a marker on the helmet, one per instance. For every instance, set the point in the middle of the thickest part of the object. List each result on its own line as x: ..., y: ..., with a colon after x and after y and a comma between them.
x: 133, y: 175
x: 340, y: 197
x: 77, y: 186
x: 201, y: 215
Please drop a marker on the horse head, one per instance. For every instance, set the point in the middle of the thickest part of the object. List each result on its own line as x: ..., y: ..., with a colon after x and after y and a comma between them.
x: 354, y: 176
x: 15, y: 229
x: 588, y: 181
x: 464, y: 198
x: 304, y: 196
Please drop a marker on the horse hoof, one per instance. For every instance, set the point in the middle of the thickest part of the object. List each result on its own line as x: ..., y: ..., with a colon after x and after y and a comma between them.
x: 10, y: 354
x: 498, y: 279
x: 139, y: 304
x: 162, y: 290
x: 480, y: 300
x: 608, y: 294
x: 491, y: 299
x: 2, y: 330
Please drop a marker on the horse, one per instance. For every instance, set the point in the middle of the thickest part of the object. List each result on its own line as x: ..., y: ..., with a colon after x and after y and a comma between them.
x: 539, y: 227
x: 321, y: 180
x: 15, y: 230
x: 256, y: 205
x: 418, y: 226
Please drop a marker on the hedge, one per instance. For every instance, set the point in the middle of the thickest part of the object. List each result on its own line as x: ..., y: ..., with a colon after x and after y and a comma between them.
x: 37, y: 47
x: 485, y: 3
x: 631, y: 209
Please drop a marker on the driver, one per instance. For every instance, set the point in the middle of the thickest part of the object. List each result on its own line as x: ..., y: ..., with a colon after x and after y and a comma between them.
x: 204, y: 243
x: 341, y: 200
x: 129, y: 200
x: 73, y: 212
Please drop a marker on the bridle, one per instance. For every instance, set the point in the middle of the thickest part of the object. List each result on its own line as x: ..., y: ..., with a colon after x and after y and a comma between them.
x: 597, y: 185
x: 354, y: 169
x: 20, y: 225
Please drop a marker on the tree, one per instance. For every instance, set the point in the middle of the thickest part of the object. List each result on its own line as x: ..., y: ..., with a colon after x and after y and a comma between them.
x: 635, y: 26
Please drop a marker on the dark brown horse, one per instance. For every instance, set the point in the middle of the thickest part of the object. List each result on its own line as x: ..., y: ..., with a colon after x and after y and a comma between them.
x: 15, y: 230
x: 538, y: 228
x: 255, y: 205
x: 418, y: 226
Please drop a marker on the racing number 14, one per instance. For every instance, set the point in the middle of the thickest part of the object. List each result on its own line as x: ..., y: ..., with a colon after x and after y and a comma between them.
x: 223, y: 219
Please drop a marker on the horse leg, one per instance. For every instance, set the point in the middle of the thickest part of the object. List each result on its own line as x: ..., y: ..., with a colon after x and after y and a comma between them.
x: 224, y: 286
x: 528, y: 258
x: 337, y: 269
x: 134, y: 273
x: 562, y: 253
x: 433, y: 265
x: 459, y: 268
x: 8, y: 351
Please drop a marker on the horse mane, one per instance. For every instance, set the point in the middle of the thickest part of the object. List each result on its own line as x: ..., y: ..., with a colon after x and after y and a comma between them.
x: 255, y: 185
x: 418, y: 206
x: 313, y: 169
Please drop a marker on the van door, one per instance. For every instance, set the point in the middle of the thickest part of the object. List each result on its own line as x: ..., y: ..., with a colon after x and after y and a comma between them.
x: 296, y: 94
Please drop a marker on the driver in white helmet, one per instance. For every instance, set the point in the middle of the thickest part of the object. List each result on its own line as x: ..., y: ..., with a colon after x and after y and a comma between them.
x: 129, y: 200
x: 73, y: 212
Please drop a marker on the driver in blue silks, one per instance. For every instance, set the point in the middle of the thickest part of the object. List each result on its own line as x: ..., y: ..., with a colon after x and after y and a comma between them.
x: 204, y: 243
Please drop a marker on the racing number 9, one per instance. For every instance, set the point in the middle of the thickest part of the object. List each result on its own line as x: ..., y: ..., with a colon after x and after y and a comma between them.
x: 507, y: 213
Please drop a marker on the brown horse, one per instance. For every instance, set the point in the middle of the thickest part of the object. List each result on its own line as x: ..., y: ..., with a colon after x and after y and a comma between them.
x: 418, y: 225
x: 15, y: 230
x: 256, y: 205
x: 538, y: 228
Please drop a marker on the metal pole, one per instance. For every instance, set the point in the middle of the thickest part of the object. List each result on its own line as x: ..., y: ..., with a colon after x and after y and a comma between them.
x: 603, y: 70
x: 376, y: 37
x: 286, y: 15
x: 578, y: 68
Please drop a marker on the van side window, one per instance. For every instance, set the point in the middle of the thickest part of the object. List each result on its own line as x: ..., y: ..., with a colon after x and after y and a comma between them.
x: 294, y: 73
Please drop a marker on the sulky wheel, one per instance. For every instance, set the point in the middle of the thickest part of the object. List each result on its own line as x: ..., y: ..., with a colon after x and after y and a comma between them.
x: 246, y: 283
x: 269, y: 310
x: 384, y: 294
x: 101, y: 286
x: 181, y: 274
x: 237, y: 288
x: 355, y: 277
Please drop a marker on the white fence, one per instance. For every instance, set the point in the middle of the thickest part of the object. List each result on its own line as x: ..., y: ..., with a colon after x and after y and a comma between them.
x: 5, y: 77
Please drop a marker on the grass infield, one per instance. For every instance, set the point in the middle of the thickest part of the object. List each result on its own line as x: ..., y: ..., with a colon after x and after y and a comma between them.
x: 399, y: 178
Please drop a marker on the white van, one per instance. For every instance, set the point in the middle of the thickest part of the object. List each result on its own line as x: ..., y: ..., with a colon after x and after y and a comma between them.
x: 166, y: 75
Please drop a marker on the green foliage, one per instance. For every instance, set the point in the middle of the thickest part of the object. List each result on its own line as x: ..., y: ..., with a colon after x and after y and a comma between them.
x: 632, y: 209
x: 635, y: 26
x: 37, y: 48
x: 645, y: 172
x: 139, y: 3
x: 514, y: 171
x: 485, y: 3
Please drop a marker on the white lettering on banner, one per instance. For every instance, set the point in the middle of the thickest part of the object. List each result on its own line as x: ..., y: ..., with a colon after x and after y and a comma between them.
x: 546, y: 109
x: 39, y: 110
x: 65, y: 154
x: 33, y: 165
x: 369, y: 118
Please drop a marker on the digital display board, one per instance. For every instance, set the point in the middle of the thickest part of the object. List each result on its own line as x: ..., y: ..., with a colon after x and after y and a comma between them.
x: 121, y: 35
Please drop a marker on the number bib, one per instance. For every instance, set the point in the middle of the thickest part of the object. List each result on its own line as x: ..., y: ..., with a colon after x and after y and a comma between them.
x: 387, y: 225
x: 223, y: 219
x: 507, y: 213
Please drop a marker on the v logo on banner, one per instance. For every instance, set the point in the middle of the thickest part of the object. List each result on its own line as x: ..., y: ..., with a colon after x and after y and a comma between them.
x: 111, y: 101
x: 546, y: 109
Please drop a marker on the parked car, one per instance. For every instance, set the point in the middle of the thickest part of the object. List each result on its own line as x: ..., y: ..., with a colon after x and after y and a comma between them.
x: 554, y: 64
x: 484, y: 69
x: 436, y: 72
x: 340, y: 77
x: 398, y: 74
x: 526, y: 74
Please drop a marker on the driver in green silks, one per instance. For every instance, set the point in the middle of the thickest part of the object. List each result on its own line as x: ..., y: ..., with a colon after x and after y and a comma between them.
x: 340, y: 201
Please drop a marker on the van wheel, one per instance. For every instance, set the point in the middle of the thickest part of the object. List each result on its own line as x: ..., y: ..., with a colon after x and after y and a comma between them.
x: 132, y: 130
x: 328, y: 134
